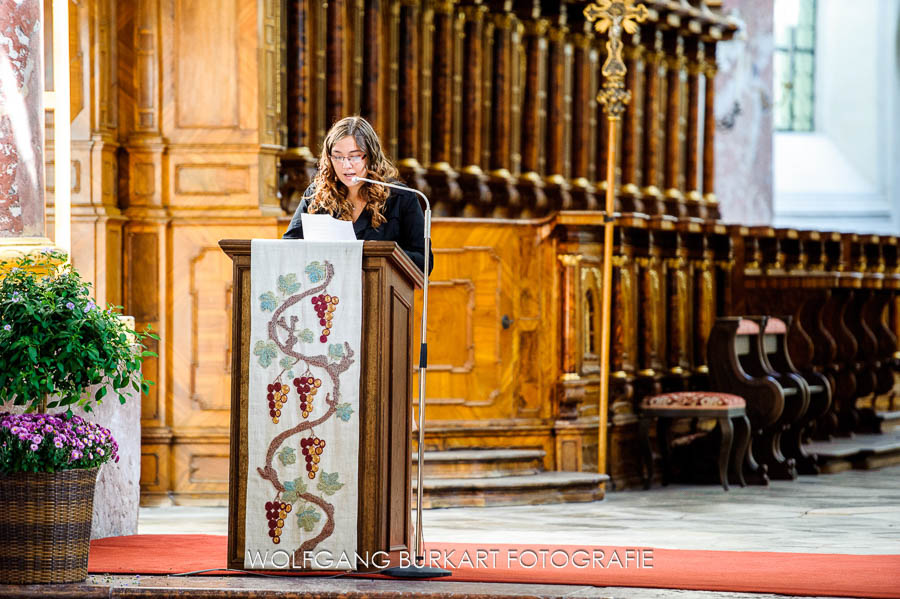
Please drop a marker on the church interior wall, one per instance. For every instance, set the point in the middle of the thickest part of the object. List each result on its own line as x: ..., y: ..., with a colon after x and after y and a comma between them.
x: 182, y: 139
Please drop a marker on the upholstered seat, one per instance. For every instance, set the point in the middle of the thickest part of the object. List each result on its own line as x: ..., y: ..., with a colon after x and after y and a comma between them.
x: 697, y: 404
x: 693, y: 400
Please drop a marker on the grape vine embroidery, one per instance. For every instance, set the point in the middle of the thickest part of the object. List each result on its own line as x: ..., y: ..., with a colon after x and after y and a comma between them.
x: 289, y: 348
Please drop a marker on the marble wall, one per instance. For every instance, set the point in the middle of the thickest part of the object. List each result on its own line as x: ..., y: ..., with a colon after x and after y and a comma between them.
x: 744, y: 107
x: 21, y: 119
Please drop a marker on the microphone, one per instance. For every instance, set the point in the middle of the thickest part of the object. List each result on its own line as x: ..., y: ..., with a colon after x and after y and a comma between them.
x: 427, y: 210
x: 419, y: 570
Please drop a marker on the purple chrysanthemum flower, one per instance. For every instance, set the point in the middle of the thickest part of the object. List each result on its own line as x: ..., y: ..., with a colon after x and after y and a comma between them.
x: 34, y: 447
x: 90, y: 306
x: 70, y: 305
x: 7, y: 327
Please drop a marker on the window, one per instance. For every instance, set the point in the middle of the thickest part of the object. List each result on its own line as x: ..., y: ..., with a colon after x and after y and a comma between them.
x: 795, y: 57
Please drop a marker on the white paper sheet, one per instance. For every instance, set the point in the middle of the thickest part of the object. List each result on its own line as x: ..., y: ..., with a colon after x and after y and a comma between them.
x: 324, y: 227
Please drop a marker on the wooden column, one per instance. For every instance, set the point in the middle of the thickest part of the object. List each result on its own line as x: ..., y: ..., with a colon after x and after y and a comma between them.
x: 146, y: 251
x: 653, y: 310
x: 675, y: 67
x: 408, y: 97
x: 602, y: 138
x: 692, y: 153
x: 680, y: 314
x: 442, y: 179
x: 652, y: 106
x: 96, y: 218
x: 584, y: 120
x: 709, y: 133
x: 624, y: 350
x: 337, y: 58
x: 472, y: 180
x: 503, y: 193
x: 558, y: 116
x: 298, y: 162
x: 530, y: 183
x: 569, y: 294
x: 374, y: 71
x: 631, y: 130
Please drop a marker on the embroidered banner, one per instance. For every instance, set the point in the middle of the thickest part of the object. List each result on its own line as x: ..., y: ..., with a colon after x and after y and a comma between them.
x: 303, y: 427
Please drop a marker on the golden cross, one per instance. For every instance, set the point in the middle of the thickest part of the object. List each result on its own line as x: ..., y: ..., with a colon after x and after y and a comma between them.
x: 615, y: 15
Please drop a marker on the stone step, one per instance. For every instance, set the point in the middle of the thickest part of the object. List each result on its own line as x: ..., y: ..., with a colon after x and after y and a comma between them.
x: 888, y: 421
x: 533, y: 489
x: 861, y: 451
x: 481, y: 463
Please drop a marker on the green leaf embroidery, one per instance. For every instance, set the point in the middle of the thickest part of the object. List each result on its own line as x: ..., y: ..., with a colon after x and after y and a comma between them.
x: 299, y: 485
x: 306, y: 336
x: 287, y: 284
x: 286, y: 362
x: 268, y: 302
x: 344, y: 411
x: 287, y: 456
x: 308, y: 517
x: 329, y: 484
x: 294, y: 489
x: 266, y: 352
x: 315, y: 271
x: 336, y: 351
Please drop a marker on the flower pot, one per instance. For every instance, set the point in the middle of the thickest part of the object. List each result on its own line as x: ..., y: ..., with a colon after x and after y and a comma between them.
x: 45, y: 526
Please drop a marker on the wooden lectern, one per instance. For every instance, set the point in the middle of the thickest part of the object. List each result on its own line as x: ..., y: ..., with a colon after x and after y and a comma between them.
x: 389, y: 281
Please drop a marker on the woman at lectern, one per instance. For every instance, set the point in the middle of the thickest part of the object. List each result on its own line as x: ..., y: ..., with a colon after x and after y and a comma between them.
x: 352, y: 149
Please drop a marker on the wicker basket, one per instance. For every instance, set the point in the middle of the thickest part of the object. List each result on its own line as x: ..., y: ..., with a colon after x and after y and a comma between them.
x: 45, y: 526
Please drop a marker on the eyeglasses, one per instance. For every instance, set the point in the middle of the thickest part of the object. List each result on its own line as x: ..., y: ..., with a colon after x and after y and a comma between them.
x: 354, y: 160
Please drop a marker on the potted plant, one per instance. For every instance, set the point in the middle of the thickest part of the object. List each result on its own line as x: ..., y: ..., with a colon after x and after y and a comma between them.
x: 56, y: 343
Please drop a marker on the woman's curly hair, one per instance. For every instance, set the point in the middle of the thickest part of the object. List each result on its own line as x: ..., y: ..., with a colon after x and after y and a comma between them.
x: 330, y: 195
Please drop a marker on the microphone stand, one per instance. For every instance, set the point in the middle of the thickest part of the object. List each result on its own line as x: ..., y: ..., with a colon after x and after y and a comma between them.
x: 417, y: 569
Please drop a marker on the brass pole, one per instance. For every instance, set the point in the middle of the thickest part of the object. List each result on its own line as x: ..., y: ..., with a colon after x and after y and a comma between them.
x: 614, y: 16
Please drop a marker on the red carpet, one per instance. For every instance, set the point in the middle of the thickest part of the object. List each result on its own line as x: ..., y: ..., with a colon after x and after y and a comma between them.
x: 811, y: 574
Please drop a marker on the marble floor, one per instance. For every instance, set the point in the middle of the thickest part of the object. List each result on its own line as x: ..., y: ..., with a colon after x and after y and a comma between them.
x: 852, y: 512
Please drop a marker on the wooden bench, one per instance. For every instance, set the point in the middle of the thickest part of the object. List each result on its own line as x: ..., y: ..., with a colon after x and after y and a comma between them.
x: 818, y: 390
x: 727, y: 409
x: 781, y: 465
x: 731, y: 343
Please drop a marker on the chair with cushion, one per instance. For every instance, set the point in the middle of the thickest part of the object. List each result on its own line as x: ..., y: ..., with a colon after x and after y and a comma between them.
x: 725, y: 408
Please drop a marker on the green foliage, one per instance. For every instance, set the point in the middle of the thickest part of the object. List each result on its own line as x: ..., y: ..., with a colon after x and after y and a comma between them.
x: 344, y: 411
x: 294, y: 489
x: 329, y: 483
x: 267, y: 351
x: 56, y: 341
x: 287, y: 456
x: 315, y: 271
x: 287, y: 284
x: 335, y: 351
x: 308, y: 516
x: 268, y: 302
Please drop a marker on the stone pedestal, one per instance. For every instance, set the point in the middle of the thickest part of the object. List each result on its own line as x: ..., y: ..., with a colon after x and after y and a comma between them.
x: 118, y: 493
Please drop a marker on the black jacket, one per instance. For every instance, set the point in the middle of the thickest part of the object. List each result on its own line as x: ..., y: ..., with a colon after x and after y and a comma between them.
x: 405, y: 224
